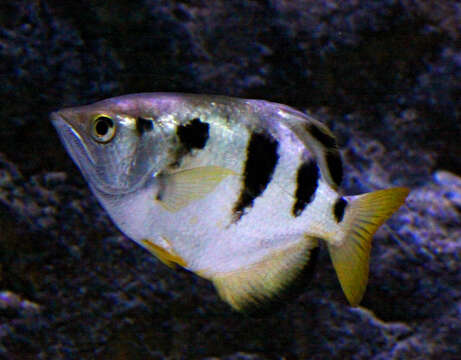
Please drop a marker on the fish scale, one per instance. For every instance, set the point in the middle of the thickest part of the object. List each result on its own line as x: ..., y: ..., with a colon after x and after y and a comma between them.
x: 238, y: 191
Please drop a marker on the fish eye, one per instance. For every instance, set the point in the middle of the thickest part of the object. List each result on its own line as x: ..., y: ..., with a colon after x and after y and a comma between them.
x: 103, y: 129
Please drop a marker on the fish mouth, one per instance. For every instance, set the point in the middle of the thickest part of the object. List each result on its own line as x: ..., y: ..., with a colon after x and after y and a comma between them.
x: 73, y: 142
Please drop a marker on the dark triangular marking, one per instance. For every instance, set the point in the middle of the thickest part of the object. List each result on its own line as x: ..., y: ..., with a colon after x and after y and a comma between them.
x: 306, y: 185
x: 335, y: 166
x: 338, y: 209
x: 194, y: 134
x: 321, y: 136
x: 144, y: 125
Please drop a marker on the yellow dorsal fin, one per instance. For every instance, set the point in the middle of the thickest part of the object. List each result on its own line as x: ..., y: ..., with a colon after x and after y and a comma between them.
x: 169, y: 258
x: 364, y: 215
x: 185, y: 186
x: 262, y: 281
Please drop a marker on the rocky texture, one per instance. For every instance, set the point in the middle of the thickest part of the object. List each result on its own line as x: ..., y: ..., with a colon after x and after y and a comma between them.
x: 384, y: 75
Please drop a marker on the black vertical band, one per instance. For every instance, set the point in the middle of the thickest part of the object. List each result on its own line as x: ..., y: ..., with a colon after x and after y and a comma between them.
x: 306, y: 184
x: 261, y: 159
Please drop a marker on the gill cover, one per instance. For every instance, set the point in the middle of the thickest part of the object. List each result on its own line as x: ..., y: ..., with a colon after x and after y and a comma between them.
x: 108, y: 148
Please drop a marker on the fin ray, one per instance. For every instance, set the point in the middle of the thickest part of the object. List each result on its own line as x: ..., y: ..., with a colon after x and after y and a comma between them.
x: 169, y: 258
x: 320, y: 140
x: 263, y: 281
x: 364, y: 216
x: 185, y: 186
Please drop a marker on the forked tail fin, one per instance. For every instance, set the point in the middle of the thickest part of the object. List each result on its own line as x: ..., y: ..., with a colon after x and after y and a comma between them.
x: 363, y: 216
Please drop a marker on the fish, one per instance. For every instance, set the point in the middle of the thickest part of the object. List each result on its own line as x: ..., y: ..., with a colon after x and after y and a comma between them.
x: 240, y: 192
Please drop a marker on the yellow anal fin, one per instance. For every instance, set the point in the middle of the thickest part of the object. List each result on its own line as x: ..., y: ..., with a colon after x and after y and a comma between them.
x: 249, y: 287
x: 186, y: 186
x: 169, y: 258
x: 364, y: 215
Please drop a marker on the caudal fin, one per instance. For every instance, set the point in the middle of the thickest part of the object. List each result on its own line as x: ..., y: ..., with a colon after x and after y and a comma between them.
x: 364, y: 215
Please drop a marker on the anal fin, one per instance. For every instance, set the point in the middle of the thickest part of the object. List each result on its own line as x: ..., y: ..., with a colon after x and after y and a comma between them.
x: 248, y: 288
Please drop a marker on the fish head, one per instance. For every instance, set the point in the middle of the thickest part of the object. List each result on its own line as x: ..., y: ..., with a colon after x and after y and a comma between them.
x: 105, y: 141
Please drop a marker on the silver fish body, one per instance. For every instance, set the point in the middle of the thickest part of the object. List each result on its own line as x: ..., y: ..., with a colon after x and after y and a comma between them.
x: 238, y: 191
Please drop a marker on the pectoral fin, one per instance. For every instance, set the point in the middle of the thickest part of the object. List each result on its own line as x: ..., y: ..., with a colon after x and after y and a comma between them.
x: 183, y: 187
x: 249, y: 287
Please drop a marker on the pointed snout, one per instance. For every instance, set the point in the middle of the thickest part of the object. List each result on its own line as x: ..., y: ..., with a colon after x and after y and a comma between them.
x: 59, y: 116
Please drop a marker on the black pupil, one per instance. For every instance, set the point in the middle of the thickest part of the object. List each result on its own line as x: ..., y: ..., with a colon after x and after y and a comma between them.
x: 103, y: 125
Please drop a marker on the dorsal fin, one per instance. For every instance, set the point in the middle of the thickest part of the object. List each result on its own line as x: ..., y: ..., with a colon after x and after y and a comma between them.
x: 319, y: 140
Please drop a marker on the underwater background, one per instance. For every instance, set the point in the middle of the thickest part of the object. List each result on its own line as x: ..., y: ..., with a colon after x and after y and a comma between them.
x: 385, y: 76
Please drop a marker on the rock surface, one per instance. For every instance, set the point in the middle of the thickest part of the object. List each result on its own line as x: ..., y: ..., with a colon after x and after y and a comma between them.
x: 385, y: 76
